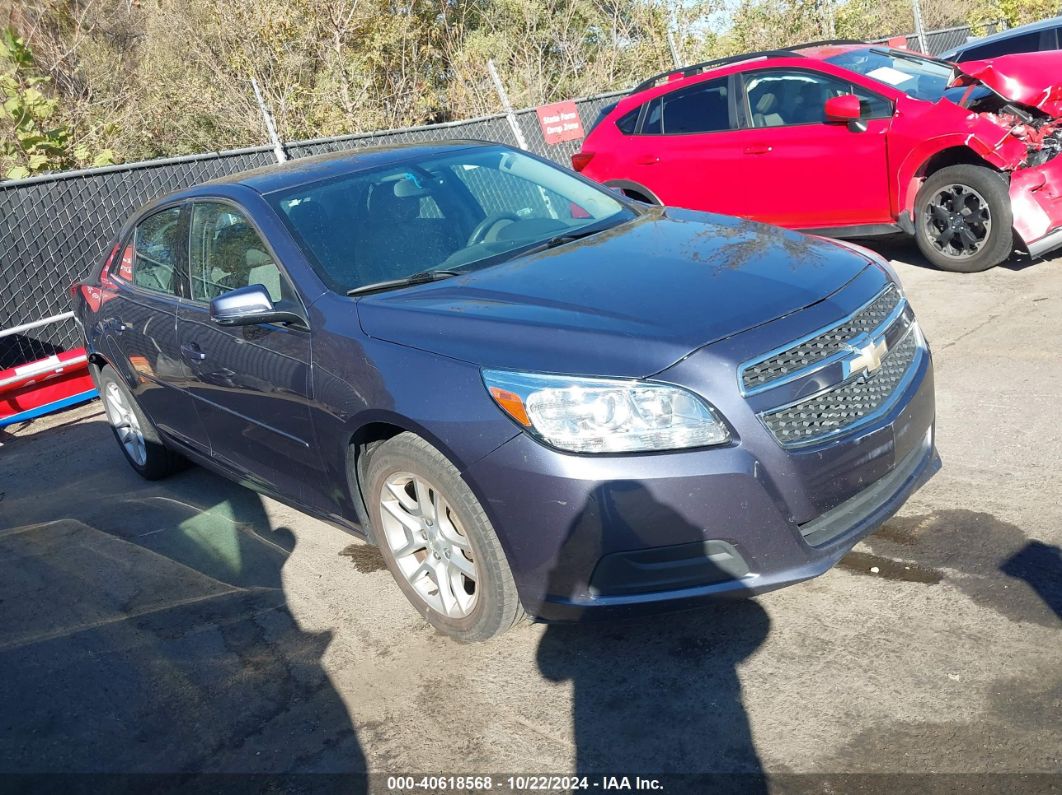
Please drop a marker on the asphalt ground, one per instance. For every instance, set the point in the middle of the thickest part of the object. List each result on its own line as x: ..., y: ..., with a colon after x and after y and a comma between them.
x: 191, y: 625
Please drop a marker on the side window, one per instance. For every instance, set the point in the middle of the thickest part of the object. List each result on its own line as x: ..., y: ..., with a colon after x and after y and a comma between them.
x: 628, y: 122
x: 871, y: 106
x: 702, y: 108
x: 226, y: 253
x: 781, y: 98
x: 1026, y: 42
x: 153, y: 260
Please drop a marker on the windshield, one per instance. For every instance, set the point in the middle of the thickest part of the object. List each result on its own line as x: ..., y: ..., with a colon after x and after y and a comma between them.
x: 454, y: 213
x: 918, y: 77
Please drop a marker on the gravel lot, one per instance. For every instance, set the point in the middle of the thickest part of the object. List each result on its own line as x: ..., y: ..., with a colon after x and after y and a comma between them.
x: 193, y: 625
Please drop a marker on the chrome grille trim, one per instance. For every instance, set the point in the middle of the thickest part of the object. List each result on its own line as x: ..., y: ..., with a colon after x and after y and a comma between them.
x: 851, y: 404
x: 823, y: 347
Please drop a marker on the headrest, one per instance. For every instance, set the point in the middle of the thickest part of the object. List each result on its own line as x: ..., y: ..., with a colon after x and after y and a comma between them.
x: 766, y: 102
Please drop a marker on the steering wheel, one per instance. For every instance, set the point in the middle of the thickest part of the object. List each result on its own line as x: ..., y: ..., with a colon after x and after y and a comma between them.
x: 479, y: 234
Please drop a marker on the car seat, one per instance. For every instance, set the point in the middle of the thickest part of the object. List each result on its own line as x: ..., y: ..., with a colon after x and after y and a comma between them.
x: 765, y: 112
x: 395, y: 240
x: 240, y: 259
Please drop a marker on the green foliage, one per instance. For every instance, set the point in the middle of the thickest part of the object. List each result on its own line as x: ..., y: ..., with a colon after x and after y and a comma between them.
x: 985, y: 13
x: 30, y: 144
x: 120, y: 80
x: 33, y: 141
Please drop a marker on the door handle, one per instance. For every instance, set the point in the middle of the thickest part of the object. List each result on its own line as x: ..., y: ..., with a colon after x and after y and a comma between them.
x: 192, y: 352
x: 758, y: 149
x: 646, y: 160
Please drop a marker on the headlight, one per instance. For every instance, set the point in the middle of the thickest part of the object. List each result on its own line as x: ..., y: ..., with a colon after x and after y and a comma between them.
x: 599, y: 415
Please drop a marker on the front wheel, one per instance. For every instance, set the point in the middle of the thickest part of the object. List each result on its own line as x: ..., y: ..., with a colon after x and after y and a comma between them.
x: 963, y: 219
x: 438, y: 542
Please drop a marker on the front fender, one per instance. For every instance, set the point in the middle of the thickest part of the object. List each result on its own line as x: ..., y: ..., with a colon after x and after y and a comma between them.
x: 924, y: 131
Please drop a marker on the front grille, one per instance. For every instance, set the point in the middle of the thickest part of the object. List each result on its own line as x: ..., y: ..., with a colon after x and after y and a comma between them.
x: 809, y: 352
x: 841, y: 408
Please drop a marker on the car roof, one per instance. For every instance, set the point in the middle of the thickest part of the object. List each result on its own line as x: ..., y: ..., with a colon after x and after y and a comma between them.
x: 689, y: 75
x: 304, y: 170
x: 1003, y: 35
x: 821, y: 52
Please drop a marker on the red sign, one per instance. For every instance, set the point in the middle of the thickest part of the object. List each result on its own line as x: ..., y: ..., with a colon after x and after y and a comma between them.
x: 898, y: 42
x: 560, y: 122
x: 125, y: 268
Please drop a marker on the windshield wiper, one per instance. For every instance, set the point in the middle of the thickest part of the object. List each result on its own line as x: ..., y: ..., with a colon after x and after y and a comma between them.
x: 406, y: 281
x: 573, y: 235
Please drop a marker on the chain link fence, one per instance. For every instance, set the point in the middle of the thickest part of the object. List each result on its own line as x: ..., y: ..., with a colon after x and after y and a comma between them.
x: 937, y: 41
x: 54, y: 228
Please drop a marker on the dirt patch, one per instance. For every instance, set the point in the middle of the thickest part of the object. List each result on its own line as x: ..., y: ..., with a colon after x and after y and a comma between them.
x: 994, y: 562
x: 876, y: 566
x: 365, y: 558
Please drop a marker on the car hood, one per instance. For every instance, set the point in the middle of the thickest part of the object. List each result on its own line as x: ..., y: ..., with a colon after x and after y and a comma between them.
x: 626, y: 302
x: 1031, y: 79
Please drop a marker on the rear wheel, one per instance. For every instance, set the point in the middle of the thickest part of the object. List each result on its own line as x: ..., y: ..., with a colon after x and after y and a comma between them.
x: 963, y: 219
x: 437, y: 541
x: 136, y: 434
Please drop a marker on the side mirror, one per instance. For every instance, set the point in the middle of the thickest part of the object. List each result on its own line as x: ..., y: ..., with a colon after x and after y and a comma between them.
x: 248, y: 306
x: 843, y: 109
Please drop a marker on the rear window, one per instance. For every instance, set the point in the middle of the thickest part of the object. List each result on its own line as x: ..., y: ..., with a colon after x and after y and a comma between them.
x: 1026, y: 42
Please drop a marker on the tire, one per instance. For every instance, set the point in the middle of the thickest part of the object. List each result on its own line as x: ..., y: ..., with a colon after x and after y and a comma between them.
x: 404, y: 474
x: 136, y: 434
x: 638, y: 197
x: 963, y: 219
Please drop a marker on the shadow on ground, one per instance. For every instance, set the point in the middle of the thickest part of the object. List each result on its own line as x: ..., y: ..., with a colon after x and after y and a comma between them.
x: 144, y: 628
x: 659, y: 695
x: 903, y: 248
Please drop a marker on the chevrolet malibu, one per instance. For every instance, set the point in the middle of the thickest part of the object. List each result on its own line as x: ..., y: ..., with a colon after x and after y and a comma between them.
x: 536, y: 397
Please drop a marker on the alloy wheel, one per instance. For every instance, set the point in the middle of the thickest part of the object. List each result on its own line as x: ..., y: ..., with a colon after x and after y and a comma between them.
x: 429, y: 545
x: 957, y: 221
x: 127, y: 427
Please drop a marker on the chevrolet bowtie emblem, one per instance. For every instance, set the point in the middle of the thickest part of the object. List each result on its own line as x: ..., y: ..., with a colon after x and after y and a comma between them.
x: 866, y: 358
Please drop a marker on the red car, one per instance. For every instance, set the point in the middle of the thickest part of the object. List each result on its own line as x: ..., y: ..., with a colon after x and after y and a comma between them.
x: 851, y: 140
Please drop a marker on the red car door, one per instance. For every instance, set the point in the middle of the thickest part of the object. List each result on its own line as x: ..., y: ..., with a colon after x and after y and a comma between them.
x: 686, y: 153
x: 799, y: 171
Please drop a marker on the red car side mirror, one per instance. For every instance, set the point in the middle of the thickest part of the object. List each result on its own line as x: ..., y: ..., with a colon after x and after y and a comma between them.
x: 842, y: 109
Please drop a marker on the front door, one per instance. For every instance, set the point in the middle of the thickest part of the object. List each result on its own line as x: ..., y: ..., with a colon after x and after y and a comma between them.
x: 800, y: 172
x: 251, y: 384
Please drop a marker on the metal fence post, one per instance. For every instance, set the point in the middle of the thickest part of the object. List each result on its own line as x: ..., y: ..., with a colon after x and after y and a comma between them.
x: 510, y: 114
x: 267, y: 117
x: 920, y: 30
x: 669, y: 26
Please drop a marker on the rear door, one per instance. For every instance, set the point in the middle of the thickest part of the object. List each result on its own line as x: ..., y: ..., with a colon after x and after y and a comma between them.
x: 140, y: 322
x: 251, y: 384
x: 798, y: 171
x: 685, y: 150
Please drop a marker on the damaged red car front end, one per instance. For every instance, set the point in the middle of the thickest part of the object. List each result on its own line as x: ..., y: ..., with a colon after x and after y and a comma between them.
x: 1032, y: 121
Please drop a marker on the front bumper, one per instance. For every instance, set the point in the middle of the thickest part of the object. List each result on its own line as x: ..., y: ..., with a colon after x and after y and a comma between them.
x: 1036, y: 200
x: 604, y: 536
